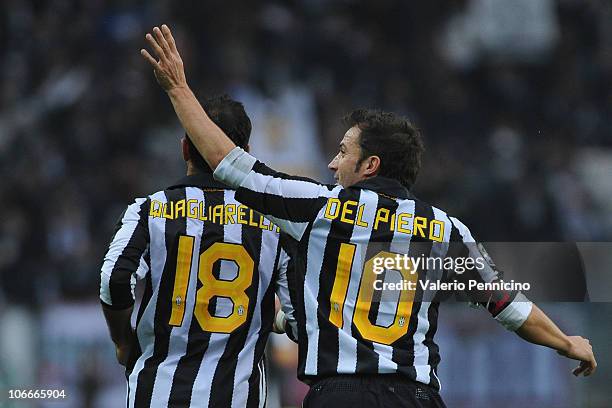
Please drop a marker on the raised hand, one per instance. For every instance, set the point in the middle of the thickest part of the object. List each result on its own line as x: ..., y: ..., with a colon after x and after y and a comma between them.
x: 168, y: 68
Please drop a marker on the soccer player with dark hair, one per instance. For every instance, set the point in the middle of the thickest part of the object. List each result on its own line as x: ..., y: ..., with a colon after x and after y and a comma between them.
x: 211, y: 267
x: 353, y: 350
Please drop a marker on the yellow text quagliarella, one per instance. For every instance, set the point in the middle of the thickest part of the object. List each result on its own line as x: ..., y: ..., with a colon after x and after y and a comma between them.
x: 217, y: 214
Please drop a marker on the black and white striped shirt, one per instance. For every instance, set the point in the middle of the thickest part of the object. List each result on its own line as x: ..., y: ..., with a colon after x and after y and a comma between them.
x: 211, y: 267
x: 340, y: 329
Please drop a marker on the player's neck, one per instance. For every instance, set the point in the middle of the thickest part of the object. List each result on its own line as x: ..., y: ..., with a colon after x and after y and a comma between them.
x: 193, y: 170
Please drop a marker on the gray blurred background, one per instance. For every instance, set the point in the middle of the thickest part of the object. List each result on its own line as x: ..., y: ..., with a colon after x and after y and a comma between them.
x: 514, y: 98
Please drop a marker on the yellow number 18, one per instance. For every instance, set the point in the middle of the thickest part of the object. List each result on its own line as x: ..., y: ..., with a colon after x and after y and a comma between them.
x: 234, y: 289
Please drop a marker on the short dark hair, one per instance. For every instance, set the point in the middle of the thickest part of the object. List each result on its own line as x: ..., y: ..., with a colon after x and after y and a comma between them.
x: 393, y: 138
x: 231, y: 117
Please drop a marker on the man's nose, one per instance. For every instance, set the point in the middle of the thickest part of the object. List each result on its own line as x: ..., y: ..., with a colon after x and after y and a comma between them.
x: 332, y: 165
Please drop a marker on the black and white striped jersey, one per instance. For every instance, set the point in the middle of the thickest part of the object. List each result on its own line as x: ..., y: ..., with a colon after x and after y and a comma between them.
x: 211, y: 267
x: 344, y: 326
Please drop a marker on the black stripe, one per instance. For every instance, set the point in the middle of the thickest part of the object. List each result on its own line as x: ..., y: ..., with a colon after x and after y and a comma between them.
x: 267, y: 310
x: 296, y: 272
x: 261, y: 168
x: 146, y: 378
x: 459, y: 249
x: 198, y: 340
x: 222, y: 387
x: 328, y: 347
x: 254, y: 384
x: 455, y: 248
x: 136, y: 350
x: 127, y: 263
x: 292, y: 209
x: 267, y: 318
x: 434, y: 350
x: 148, y: 290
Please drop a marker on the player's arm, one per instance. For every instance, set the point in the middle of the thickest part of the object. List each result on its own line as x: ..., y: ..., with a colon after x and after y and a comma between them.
x: 510, y: 309
x: 123, y: 263
x: 290, y: 202
x: 516, y: 313
x: 121, y: 331
x: 284, y: 320
x: 539, y: 329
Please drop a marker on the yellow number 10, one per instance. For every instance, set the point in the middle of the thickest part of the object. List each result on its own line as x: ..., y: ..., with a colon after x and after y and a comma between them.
x: 235, y: 289
x: 370, y: 331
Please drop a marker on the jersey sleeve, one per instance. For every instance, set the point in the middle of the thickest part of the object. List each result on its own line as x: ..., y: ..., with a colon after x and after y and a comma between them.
x: 290, y: 202
x: 284, y: 295
x: 510, y: 308
x: 127, y: 257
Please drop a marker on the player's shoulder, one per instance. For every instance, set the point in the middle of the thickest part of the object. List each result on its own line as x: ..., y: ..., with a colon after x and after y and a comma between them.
x: 136, y: 203
x: 453, y: 223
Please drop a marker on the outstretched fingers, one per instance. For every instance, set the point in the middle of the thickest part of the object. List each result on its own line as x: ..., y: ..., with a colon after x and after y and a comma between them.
x: 164, y: 59
x: 161, y: 40
x: 149, y: 58
x: 156, y: 48
x: 169, y: 37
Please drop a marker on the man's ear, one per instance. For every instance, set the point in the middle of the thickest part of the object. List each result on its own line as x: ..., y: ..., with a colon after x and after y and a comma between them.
x: 247, y: 148
x: 372, y: 165
x: 185, y: 149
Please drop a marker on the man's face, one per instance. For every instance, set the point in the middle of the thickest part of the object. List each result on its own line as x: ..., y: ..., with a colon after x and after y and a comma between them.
x: 344, y: 165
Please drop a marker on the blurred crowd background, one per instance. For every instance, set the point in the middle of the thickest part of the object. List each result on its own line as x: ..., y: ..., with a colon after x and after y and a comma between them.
x: 514, y: 99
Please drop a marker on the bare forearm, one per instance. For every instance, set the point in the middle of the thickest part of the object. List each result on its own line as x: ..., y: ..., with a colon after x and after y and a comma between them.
x: 539, y: 329
x: 210, y: 141
x: 119, y: 324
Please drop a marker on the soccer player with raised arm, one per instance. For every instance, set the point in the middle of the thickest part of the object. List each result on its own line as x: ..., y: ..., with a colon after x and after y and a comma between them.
x: 211, y: 267
x: 353, y: 351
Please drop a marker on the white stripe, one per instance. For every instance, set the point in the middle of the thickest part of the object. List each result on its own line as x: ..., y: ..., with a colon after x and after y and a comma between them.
x: 386, y: 314
x: 203, y: 381
x: 232, y: 233
x: 487, y: 273
x: 287, y: 188
x: 129, y: 222
x: 399, y: 244
x: 234, y: 167
x: 316, y: 248
x: 179, y: 336
x: 263, y: 391
x: 463, y: 230
x: 437, y: 378
x: 141, y: 272
x: 347, y: 344
x: 244, y: 365
x: 282, y: 291
x: 421, y: 352
x: 146, y: 337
